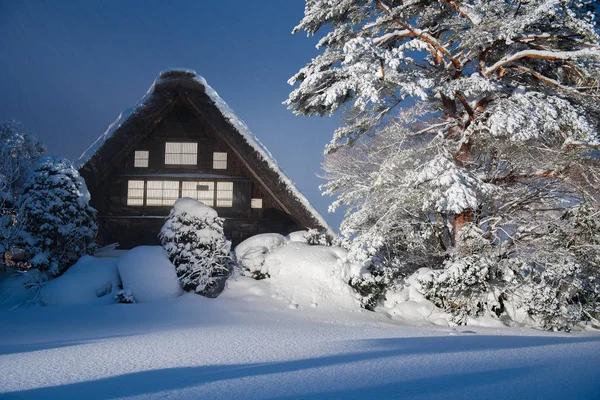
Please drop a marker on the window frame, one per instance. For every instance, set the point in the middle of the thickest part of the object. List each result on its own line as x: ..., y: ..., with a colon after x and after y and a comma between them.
x: 130, y: 198
x: 218, y: 199
x: 181, y: 154
x: 253, y: 202
x: 212, y: 186
x: 165, y: 201
x: 144, y: 160
x: 218, y: 162
x: 222, y: 193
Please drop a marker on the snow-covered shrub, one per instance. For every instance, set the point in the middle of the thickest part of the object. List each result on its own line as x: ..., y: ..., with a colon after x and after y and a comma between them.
x: 251, y: 253
x: 124, y: 297
x: 59, y: 226
x: 562, y: 294
x: 322, y: 238
x: 193, y: 238
x: 148, y: 274
x: 89, y: 280
x: 373, y: 283
x: 385, y: 265
x: 463, y: 286
x: 554, y: 294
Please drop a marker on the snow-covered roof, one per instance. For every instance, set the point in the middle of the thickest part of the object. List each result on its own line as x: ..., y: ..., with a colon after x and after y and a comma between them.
x: 189, y: 77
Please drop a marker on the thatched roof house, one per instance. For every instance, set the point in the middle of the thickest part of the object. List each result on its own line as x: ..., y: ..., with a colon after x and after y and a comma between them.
x: 182, y: 140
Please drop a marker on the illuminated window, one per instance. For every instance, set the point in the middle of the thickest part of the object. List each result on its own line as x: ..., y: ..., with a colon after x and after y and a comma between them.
x: 162, y: 193
x: 135, y: 193
x: 219, y: 160
x: 224, y: 194
x: 181, y: 153
x: 141, y: 159
x: 201, y: 191
x: 256, y: 203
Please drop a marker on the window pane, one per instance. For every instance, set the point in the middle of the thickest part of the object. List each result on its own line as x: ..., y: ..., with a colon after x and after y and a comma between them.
x: 162, y: 193
x: 201, y: 191
x: 181, y: 153
x: 219, y: 160
x: 173, y: 148
x: 189, y: 148
x: 141, y: 159
x: 135, y: 193
x: 224, y: 194
x: 256, y: 203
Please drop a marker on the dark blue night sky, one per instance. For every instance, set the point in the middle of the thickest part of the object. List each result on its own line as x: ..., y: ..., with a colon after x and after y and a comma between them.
x: 68, y: 68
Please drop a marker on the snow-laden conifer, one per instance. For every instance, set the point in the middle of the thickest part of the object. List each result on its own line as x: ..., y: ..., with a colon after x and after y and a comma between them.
x: 59, y: 226
x: 463, y: 117
x: 194, y: 241
x: 19, y: 150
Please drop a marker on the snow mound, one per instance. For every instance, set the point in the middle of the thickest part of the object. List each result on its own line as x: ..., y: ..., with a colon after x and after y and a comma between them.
x: 194, y: 208
x: 149, y: 274
x: 298, y: 236
x: 311, y: 276
x: 251, y: 252
x: 89, y: 280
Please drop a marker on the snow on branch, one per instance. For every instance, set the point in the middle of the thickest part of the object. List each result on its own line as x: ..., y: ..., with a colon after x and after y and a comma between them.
x: 541, y: 55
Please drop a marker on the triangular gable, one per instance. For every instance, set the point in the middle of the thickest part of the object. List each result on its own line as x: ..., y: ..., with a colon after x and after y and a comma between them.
x: 134, y: 124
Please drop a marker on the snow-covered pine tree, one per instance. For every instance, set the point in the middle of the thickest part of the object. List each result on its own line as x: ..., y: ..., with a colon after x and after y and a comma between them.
x: 59, y: 226
x: 18, y: 151
x: 471, y: 130
x: 194, y: 241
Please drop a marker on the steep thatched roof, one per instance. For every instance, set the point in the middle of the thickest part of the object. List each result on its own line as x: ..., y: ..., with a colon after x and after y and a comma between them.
x: 136, y: 123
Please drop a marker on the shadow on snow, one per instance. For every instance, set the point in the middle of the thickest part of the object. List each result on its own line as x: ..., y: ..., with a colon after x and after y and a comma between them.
x: 153, y: 381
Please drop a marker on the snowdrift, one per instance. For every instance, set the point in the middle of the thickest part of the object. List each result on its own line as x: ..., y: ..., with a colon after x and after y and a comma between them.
x: 90, y: 280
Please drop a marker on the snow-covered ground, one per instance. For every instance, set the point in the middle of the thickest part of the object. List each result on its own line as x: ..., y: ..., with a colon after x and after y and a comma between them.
x: 249, y: 344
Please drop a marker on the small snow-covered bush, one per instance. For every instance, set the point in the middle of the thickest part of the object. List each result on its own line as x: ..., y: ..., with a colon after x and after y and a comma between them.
x: 59, y: 226
x: 373, y: 283
x: 321, y: 238
x: 148, y: 275
x: 563, y: 294
x: 194, y: 241
x: 124, y: 297
x: 251, y: 253
x: 385, y: 265
x: 462, y: 287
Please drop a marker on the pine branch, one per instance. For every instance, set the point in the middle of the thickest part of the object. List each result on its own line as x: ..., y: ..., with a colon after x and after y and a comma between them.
x: 425, y: 36
x: 541, y: 55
